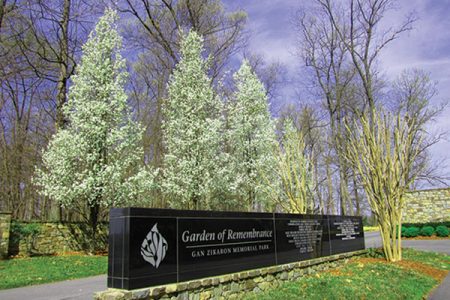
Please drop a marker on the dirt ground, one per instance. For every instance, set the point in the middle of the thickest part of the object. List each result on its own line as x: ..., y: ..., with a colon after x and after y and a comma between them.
x: 408, y: 264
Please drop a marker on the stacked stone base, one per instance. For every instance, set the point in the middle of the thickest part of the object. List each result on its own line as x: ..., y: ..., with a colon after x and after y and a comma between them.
x: 231, y: 286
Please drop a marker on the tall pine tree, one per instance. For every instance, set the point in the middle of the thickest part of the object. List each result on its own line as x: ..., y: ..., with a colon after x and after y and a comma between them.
x: 252, y: 137
x: 97, y: 161
x: 191, y: 126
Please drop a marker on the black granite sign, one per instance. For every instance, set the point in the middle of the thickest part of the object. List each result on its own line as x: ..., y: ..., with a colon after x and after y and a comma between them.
x: 149, y: 247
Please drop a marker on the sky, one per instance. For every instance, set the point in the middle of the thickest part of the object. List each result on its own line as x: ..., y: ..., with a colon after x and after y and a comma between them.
x: 426, y: 47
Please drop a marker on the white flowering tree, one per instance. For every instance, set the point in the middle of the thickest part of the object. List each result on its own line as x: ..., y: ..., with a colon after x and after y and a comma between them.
x: 97, y: 161
x: 191, y: 127
x: 251, y: 135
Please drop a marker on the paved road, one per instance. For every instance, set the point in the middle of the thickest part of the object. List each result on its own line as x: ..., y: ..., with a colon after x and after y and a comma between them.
x: 78, y: 289
x: 442, y: 292
x: 373, y: 240
x: 83, y: 289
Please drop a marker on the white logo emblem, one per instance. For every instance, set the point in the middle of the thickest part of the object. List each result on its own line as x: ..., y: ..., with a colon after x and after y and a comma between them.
x: 154, y: 247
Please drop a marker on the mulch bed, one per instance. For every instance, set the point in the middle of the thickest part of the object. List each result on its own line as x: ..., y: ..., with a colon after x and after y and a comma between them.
x: 409, y: 264
x: 421, y: 238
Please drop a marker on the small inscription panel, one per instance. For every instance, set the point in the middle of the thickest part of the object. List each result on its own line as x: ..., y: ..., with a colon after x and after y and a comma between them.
x: 149, y: 247
x: 346, y: 234
x: 304, y: 234
x: 301, y: 237
x: 348, y: 228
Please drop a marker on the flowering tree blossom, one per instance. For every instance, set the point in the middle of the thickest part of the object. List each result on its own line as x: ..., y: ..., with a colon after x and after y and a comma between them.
x: 251, y: 135
x: 191, y: 126
x: 98, y: 159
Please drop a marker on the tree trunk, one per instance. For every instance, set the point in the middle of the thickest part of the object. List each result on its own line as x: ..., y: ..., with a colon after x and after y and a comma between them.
x: 93, y: 222
x: 316, y: 184
x: 343, y: 191
x: 2, y: 12
x: 63, y: 66
x: 357, y: 200
x: 391, y: 236
x: 61, y: 97
x: 330, y: 188
x: 344, y: 194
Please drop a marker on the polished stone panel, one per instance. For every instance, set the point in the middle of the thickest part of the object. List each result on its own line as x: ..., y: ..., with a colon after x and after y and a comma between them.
x: 241, y: 243
x: 346, y: 234
x: 149, y: 247
x: 301, y: 237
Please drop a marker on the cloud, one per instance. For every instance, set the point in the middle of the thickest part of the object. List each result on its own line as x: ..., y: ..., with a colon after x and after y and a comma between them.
x: 272, y: 34
x: 426, y: 47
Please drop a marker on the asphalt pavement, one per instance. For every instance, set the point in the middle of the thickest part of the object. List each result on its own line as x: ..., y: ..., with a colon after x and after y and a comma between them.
x: 83, y: 289
x: 77, y: 289
x: 373, y: 240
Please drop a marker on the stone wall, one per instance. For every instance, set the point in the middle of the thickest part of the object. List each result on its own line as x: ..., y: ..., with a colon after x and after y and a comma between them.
x: 231, y: 286
x: 427, y: 206
x: 5, y: 221
x: 51, y: 238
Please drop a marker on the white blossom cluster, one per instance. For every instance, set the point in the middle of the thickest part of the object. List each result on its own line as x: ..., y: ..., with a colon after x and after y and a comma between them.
x: 216, y: 155
x: 98, y: 157
x: 251, y: 136
x: 208, y: 152
x: 192, y: 125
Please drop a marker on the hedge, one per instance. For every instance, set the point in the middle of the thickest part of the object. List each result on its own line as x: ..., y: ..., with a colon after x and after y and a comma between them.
x: 414, y: 231
x: 432, y: 224
x: 442, y: 231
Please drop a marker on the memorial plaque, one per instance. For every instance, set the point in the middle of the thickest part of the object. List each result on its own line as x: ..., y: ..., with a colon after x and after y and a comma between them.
x: 346, y: 234
x: 301, y: 237
x: 149, y: 247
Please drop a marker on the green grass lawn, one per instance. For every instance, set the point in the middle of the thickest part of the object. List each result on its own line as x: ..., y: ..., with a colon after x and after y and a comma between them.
x: 368, y: 278
x: 363, y: 278
x: 27, y: 271
x: 371, y: 228
x: 436, y: 260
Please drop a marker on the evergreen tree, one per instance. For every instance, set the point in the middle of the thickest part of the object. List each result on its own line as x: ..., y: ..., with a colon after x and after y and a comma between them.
x: 191, y: 127
x: 252, y: 137
x: 97, y: 161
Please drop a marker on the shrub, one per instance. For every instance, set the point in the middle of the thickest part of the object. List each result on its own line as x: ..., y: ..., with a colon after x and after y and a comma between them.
x: 23, y: 230
x: 442, y: 231
x: 412, y: 232
x: 432, y: 224
x: 26, y: 232
x: 375, y: 253
x: 427, y: 231
x: 404, y: 231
